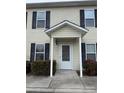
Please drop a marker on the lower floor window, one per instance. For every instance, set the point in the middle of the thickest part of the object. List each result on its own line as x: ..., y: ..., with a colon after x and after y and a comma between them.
x: 40, y: 52
x: 91, y: 56
x: 39, y: 56
x: 91, y: 51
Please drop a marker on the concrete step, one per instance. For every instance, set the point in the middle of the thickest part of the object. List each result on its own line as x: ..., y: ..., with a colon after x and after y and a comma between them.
x: 39, y: 90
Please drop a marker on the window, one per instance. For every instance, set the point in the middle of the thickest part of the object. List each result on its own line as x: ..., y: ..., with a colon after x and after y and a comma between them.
x: 65, y: 53
x: 89, y: 18
x: 39, y: 52
x: 41, y: 19
x: 91, y: 51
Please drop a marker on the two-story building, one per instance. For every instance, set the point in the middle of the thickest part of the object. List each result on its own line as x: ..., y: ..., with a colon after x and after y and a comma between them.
x: 62, y: 31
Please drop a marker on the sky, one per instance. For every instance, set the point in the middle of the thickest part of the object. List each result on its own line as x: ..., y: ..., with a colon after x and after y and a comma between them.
x: 35, y: 1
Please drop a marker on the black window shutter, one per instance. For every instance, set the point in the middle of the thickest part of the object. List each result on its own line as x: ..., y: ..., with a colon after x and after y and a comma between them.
x: 95, y: 11
x: 47, y: 19
x: 82, y: 19
x: 26, y: 18
x: 96, y: 47
x: 34, y: 20
x: 47, y: 48
x: 32, y: 52
x: 83, y: 52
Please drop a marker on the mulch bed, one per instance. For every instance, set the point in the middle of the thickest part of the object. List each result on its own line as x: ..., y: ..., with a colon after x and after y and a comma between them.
x: 84, y: 73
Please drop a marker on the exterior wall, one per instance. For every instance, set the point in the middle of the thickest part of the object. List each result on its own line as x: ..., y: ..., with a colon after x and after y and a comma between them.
x: 91, y: 36
x: 76, y: 61
x: 58, y: 15
x: 34, y: 35
x: 66, y: 31
x: 56, y: 54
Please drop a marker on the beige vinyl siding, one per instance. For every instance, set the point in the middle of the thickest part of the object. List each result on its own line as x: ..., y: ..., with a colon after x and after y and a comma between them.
x: 91, y: 36
x: 59, y: 14
x: 66, y: 31
x: 76, y: 63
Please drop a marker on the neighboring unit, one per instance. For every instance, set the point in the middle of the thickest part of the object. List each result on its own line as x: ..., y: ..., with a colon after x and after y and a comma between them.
x: 62, y: 31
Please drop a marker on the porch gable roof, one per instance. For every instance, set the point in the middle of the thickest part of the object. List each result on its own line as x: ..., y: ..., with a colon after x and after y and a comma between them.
x: 66, y: 22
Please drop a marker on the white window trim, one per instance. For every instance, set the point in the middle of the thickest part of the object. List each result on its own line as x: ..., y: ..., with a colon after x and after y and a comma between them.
x: 41, y: 19
x: 39, y: 52
x: 89, y: 18
x: 90, y: 52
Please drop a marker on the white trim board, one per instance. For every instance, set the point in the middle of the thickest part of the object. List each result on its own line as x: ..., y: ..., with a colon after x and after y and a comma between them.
x: 66, y: 22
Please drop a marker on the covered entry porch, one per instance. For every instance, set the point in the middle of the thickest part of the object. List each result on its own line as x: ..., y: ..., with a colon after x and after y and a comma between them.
x: 65, y: 46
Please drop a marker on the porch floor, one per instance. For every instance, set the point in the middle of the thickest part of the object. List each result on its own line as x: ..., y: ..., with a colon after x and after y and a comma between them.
x: 64, y: 81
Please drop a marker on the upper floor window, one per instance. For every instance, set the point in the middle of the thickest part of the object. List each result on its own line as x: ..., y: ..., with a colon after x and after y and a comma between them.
x: 41, y: 20
x: 89, y: 18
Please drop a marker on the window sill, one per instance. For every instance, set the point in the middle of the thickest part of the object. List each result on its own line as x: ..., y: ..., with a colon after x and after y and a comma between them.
x: 39, y: 29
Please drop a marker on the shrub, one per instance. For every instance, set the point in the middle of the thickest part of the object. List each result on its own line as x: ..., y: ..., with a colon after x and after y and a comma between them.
x: 90, y: 67
x: 42, y: 67
x: 28, y: 67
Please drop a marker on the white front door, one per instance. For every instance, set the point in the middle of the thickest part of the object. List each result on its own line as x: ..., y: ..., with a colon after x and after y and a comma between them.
x: 66, y: 58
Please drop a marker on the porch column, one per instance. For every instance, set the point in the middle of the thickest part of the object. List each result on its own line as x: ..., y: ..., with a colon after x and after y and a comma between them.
x: 80, y: 55
x: 51, y: 59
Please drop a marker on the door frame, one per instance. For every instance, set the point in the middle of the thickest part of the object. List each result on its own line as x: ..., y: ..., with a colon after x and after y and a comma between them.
x: 71, y: 54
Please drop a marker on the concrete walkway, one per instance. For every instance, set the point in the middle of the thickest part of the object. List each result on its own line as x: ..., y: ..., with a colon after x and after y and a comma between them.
x: 64, y: 81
